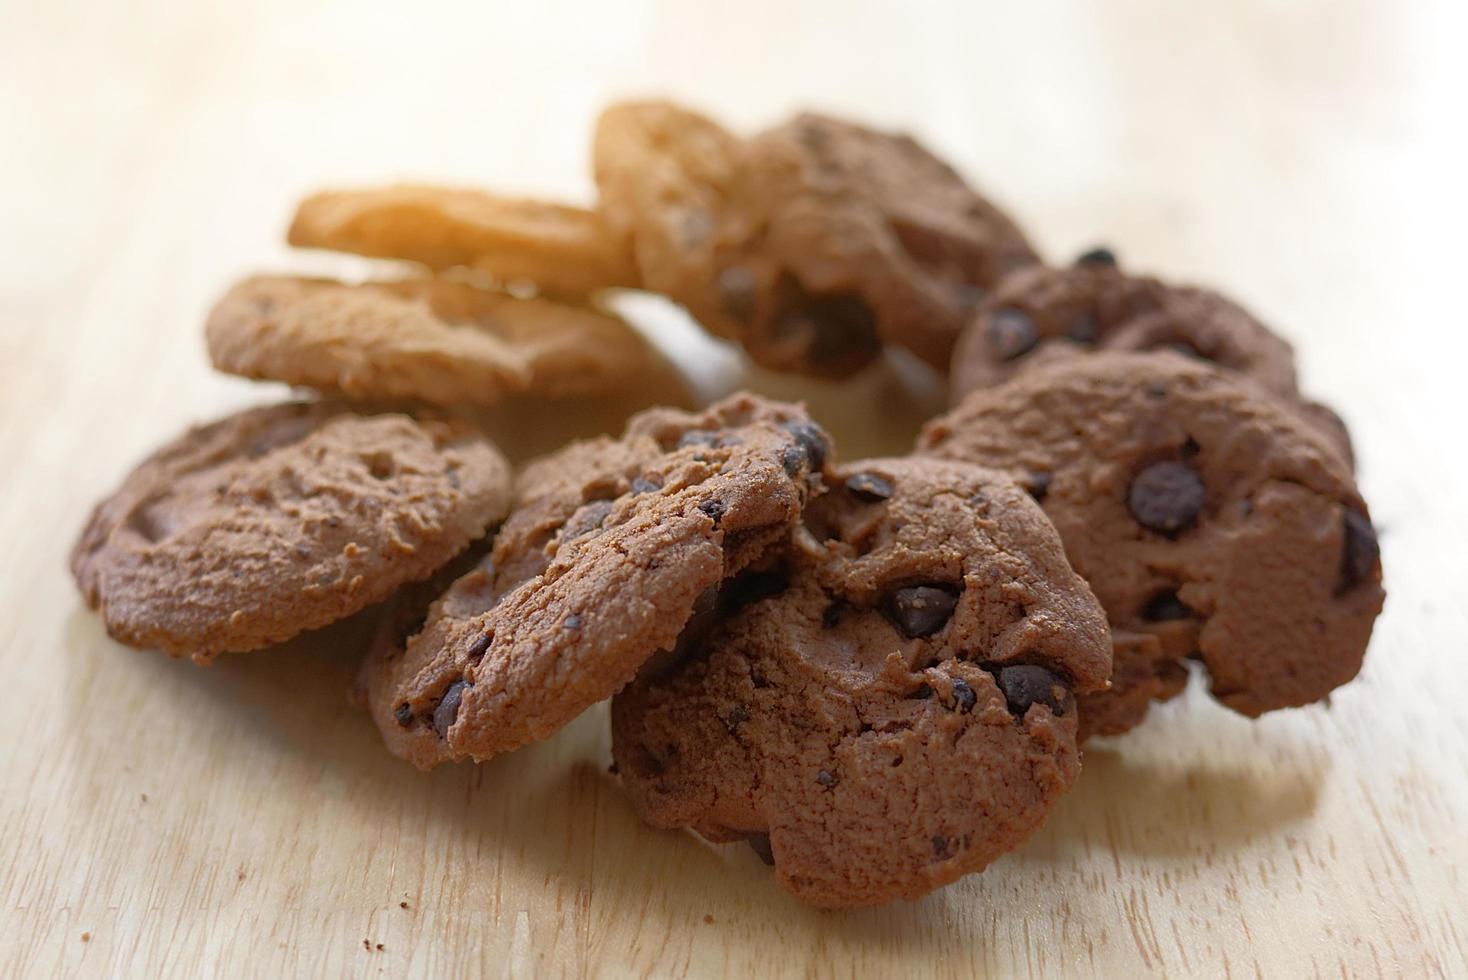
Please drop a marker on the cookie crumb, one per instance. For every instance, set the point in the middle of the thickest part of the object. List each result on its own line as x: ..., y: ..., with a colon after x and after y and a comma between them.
x: 86, y: 937
x: 367, y: 945
x: 402, y: 905
x: 708, y: 920
x: 145, y: 797
x: 379, y: 947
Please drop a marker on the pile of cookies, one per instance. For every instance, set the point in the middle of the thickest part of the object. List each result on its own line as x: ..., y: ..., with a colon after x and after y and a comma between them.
x: 877, y: 672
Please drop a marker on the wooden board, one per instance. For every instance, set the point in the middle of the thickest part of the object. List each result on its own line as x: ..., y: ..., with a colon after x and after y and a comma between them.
x: 159, y: 819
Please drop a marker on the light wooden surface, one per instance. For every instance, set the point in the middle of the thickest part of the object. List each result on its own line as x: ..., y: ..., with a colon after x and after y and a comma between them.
x: 159, y: 819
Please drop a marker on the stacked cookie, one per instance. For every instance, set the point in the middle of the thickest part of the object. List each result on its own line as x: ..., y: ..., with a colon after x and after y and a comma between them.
x: 878, y: 673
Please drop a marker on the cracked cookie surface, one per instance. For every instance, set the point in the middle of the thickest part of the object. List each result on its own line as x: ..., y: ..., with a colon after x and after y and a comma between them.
x: 612, y: 547
x: 1211, y: 521
x: 273, y: 521
x: 436, y: 341
x: 888, y: 705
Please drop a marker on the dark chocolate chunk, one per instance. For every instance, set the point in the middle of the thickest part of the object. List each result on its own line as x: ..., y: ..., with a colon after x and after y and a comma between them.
x: 1013, y: 333
x: 811, y: 440
x: 922, y: 610
x: 940, y: 845
x: 1166, y: 497
x: 964, y: 697
x: 643, y: 485
x: 447, y: 711
x: 869, y: 487
x: 827, y: 778
x: 1361, y: 551
x: 1099, y: 255
x: 1027, y: 684
x: 714, y: 509
x: 404, y: 714
x: 479, y: 648
x: 1038, y: 484
x: 572, y: 622
x: 1164, y: 607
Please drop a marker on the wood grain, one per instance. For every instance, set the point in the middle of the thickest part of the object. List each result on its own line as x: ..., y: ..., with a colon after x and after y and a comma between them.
x: 161, y: 819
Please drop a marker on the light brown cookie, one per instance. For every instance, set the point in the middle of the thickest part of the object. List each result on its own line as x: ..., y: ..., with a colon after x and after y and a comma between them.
x: 564, y: 251
x: 838, y: 239
x: 278, y: 520
x: 431, y: 340
x: 613, y: 546
x: 886, y: 707
x: 663, y: 173
x: 1209, y: 518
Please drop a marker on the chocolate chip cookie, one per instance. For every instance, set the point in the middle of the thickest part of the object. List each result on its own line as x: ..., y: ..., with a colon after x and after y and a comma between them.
x: 564, y: 251
x: 1040, y: 312
x: 278, y: 520
x: 613, y: 546
x: 431, y: 340
x: 889, y: 705
x: 1210, y: 519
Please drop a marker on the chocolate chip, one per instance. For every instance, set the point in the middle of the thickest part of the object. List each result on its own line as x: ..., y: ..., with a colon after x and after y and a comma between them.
x: 738, y: 292
x: 447, y: 711
x: 714, y: 509
x: 1083, y: 328
x: 760, y: 844
x: 940, y: 845
x: 478, y: 648
x: 827, y: 779
x: 1100, y: 255
x: 644, y: 485
x: 869, y: 487
x: 1361, y: 551
x: 572, y: 622
x: 1038, y: 484
x: 589, y: 518
x: 1164, y: 607
x: 829, y: 331
x: 1027, y: 684
x: 922, y: 610
x: 737, y: 716
x: 1166, y: 497
x: 964, y: 697
x: 812, y: 441
x: 404, y: 714
x: 793, y: 459
x: 1012, y: 333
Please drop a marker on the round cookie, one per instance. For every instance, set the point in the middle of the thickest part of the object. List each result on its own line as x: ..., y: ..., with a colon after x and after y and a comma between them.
x: 838, y: 239
x: 564, y: 251
x: 612, y: 547
x: 1038, y: 313
x: 438, y: 341
x: 888, y: 707
x: 663, y: 173
x: 278, y: 520
x: 1210, y: 519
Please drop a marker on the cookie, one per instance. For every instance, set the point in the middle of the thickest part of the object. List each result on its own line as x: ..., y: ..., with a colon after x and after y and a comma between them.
x: 612, y: 547
x: 273, y: 521
x: 1040, y: 312
x: 890, y: 706
x: 838, y: 239
x: 564, y: 251
x: 663, y: 174
x: 1211, y: 521
x: 430, y: 340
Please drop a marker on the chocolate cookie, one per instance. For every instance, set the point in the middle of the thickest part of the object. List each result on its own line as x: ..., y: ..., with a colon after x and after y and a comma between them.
x: 431, y: 340
x: 277, y: 520
x: 1038, y: 313
x: 613, y: 546
x: 836, y: 239
x: 564, y: 251
x: 663, y: 173
x: 890, y: 706
x: 1210, y: 519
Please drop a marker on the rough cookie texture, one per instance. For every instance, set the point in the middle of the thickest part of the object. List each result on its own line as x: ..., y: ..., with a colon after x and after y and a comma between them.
x: 838, y: 239
x: 890, y: 706
x: 663, y: 174
x: 1209, y: 518
x: 613, y: 546
x: 277, y: 520
x: 431, y: 340
x: 564, y: 251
